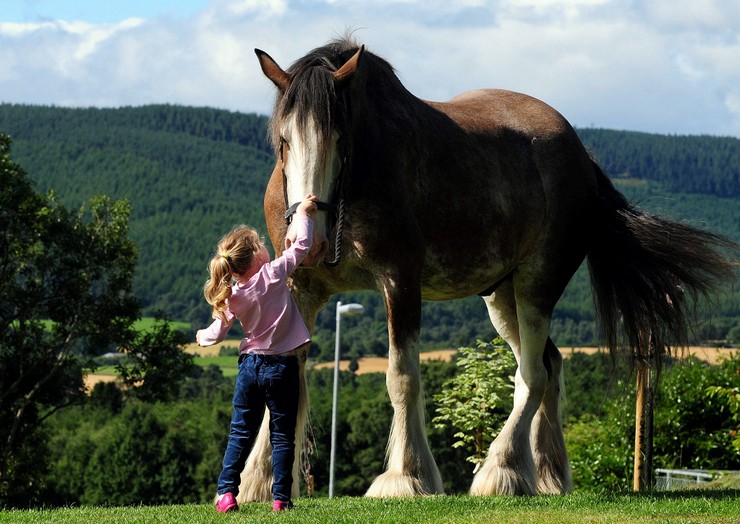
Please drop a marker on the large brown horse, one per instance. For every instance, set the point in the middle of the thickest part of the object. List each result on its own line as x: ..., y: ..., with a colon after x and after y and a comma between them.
x: 491, y: 193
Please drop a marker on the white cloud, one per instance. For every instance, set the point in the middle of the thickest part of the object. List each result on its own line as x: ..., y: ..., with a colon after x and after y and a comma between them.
x: 666, y: 66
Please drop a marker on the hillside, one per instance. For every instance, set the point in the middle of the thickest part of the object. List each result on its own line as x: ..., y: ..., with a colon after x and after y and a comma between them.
x: 192, y: 173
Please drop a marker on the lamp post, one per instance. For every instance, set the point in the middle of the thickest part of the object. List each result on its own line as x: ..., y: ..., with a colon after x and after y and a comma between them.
x: 342, y: 309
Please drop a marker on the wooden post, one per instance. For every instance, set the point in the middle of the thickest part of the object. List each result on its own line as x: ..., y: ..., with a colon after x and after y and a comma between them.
x: 648, y: 471
x: 642, y: 476
x: 638, y: 478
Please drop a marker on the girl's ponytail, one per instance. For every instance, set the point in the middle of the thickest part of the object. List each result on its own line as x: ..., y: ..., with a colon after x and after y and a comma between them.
x: 234, y: 255
x: 217, y: 289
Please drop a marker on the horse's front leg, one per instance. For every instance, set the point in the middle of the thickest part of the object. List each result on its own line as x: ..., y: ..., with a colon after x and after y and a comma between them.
x: 257, y: 478
x: 410, y: 467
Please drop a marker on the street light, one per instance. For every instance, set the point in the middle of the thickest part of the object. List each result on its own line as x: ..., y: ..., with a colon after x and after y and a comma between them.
x: 342, y: 309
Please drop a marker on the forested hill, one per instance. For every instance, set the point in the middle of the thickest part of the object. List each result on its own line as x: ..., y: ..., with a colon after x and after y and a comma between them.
x: 190, y: 174
x: 682, y: 164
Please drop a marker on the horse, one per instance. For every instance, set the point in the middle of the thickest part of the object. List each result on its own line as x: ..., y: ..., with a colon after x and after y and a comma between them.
x: 491, y: 193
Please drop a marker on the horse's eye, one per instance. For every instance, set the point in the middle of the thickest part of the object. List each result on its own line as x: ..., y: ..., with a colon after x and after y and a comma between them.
x: 284, y: 145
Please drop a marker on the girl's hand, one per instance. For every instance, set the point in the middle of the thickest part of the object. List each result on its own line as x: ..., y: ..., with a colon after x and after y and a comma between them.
x: 308, y: 206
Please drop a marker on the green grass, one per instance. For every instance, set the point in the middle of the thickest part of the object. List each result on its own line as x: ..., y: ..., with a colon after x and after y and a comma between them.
x: 146, y: 323
x: 229, y: 365
x: 685, y: 507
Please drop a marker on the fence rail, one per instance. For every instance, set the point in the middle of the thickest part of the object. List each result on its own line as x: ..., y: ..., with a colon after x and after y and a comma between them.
x: 666, y: 479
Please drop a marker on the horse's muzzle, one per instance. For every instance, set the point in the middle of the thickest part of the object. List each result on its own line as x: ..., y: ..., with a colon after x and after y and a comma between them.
x: 317, y: 252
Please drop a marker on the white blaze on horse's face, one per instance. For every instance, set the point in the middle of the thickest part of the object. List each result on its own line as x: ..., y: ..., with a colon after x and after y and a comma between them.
x: 307, y: 170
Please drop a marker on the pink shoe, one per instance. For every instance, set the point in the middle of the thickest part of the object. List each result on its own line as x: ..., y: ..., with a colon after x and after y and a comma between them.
x: 226, y: 503
x: 280, y: 505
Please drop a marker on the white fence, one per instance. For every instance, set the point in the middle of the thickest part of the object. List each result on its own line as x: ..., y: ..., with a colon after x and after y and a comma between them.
x: 666, y: 479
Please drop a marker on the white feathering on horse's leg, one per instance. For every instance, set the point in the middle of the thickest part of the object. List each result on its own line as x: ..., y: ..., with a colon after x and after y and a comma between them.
x: 548, y: 445
x: 505, y: 473
x: 256, y: 478
x: 301, y: 428
x: 550, y: 457
x: 411, y: 469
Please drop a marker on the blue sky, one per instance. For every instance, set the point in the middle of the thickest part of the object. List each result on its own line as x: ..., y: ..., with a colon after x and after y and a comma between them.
x: 95, y: 11
x: 659, y: 66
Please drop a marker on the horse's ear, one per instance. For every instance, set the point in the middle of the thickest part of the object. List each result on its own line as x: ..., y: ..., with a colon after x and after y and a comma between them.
x: 350, y: 66
x: 273, y: 71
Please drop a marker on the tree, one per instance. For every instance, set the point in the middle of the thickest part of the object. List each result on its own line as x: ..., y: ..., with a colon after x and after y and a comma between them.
x: 729, y: 392
x: 693, y: 429
x: 65, y: 296
x: 479, y: 397
x: 144, y: 458
x: 156, y: 365
x: 599, y: 449
x: 732, y: 398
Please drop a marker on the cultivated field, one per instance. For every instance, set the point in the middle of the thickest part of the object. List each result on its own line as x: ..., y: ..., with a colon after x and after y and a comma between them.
x: 210, y: 354
x: 380, y: 364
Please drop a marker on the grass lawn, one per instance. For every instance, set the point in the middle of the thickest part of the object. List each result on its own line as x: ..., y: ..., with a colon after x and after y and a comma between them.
x: 229, y: 365
x: 685, y: 507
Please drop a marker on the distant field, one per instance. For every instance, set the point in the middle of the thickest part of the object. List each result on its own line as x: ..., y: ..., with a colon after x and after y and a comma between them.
x: 228, y: 365
x: 380, y: 364
x: 147, y: 322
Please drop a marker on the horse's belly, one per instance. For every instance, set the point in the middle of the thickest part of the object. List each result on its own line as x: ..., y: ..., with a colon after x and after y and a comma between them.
x: 452, y: 283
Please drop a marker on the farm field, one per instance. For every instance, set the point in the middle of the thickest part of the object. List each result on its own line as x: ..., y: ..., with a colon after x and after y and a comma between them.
x: 228, y: 365
x: 379, y: 364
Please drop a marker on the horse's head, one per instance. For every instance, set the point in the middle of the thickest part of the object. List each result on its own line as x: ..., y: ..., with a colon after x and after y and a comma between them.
x: 307, y: 128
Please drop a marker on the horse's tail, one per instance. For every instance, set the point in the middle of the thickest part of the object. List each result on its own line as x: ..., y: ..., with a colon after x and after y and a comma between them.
x: 647, y: 272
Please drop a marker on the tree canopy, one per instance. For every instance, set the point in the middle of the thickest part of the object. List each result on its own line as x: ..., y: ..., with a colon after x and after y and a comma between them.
x: 66, y: 294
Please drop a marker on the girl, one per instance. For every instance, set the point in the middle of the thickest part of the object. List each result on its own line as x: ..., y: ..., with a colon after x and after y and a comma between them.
x: 247, y: 286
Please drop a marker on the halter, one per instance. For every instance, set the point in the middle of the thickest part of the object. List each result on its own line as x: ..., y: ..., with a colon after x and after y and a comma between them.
x: 328, y: 207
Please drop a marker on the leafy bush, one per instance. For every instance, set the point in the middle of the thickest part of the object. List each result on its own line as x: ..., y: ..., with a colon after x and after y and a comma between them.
x: 478, y: 399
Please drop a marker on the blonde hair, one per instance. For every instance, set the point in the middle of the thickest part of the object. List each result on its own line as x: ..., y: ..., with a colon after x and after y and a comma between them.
x: 234, y: 255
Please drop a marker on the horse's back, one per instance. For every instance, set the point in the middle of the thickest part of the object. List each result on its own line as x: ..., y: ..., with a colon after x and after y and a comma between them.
x: 499, y: 109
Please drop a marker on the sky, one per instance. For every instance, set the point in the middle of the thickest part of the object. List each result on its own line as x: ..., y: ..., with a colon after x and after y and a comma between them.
x: 656, y: 66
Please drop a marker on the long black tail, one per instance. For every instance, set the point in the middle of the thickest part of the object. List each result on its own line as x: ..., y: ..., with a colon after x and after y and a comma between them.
x: 647, y: 272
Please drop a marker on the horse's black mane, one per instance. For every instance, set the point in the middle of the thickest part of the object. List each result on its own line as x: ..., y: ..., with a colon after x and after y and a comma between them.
x: 312, y: 91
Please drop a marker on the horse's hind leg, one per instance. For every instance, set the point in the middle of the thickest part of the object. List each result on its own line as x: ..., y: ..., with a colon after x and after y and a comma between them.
x: 548, y: 444
x: 509, y: 467
x: 542, y: 465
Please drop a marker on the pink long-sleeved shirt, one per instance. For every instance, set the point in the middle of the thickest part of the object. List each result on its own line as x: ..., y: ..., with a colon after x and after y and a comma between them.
x: 264, y: 306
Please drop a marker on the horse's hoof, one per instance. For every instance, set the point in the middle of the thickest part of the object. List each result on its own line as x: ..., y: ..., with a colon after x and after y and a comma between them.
x: 501, y: 481
x: 397, y: 485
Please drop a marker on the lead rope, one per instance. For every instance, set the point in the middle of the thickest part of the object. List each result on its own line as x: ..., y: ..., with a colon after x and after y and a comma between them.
x: 340, y: 209
x: 340, y: 216
x: 338, y: 237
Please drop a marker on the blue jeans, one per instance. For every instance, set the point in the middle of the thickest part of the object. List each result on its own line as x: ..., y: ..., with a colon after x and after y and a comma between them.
x: 263, y: 380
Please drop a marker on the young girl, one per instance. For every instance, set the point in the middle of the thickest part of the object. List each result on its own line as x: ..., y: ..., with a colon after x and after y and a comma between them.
x: 247, y: 286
